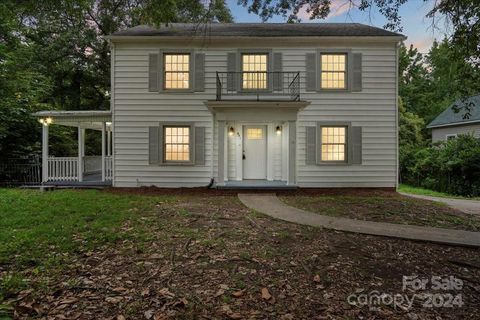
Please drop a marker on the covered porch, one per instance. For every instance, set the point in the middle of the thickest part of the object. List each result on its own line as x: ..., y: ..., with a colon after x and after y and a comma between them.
x: 79, y: 170
x: 256, y: 141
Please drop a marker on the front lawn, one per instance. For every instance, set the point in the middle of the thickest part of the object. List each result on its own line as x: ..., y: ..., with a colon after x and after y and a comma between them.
x: 385, y: 207
x: 426, y: 192
x: 201, y: 255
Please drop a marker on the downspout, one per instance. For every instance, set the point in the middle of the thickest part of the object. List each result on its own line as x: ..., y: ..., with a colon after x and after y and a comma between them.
x: 112, y: 107
x: 397, y: 160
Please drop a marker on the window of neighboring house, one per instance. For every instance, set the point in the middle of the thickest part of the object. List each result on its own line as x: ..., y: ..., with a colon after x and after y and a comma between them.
x: 450, y: 136
x: 334, y: 141
x: 254, y: 67
x: 177, y: 71
x: 177, y: 144
x: 334, y: 71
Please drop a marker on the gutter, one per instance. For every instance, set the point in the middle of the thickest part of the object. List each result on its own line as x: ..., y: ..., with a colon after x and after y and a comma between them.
x: 453, y: 124
x: 118, y: 38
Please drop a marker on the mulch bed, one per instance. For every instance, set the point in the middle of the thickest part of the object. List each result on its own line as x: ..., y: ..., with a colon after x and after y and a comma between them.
x: 211, y: 258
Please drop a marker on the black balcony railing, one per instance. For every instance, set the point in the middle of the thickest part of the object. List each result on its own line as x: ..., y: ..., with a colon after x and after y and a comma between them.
x: 259, y: 85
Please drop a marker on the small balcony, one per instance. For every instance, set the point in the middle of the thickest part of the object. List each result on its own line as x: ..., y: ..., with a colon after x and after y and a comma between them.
x: 258, y: 85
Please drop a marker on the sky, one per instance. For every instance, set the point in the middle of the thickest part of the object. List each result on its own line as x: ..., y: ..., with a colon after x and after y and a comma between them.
x: 416, y: 26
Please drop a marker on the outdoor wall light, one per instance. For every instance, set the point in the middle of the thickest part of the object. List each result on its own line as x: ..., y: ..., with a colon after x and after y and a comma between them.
x: 278, y: 130
x: 45, y: 121
x: 231, y: 131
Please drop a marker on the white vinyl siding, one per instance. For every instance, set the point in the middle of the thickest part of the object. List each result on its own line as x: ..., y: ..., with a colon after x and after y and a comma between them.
x: 440, y: 134
x: 373, y: 109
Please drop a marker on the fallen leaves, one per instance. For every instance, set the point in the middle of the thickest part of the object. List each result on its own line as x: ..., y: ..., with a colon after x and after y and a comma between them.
x: 113, y: 300
x: 231, y: 271
x: 238, y: 294
x: 265, y: 294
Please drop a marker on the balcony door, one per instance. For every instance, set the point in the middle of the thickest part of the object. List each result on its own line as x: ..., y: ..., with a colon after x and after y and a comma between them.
x: 254, y: 152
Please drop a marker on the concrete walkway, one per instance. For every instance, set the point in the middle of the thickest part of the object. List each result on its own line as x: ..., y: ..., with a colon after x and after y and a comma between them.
x: 464, y: 205
x: 270, y: 205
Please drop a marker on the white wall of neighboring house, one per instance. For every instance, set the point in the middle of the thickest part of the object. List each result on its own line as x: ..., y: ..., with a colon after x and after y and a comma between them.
x: 374, y: 109
x: 441, y: 133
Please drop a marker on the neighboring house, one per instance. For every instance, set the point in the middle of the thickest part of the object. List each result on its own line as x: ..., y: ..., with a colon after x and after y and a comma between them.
x: 308, y: 105
x: 449, y: 124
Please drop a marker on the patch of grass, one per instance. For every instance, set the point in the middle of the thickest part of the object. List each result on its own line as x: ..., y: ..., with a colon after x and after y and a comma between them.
x: 393, y: 209
x: 46, y: 227
x: 426, y: 192
x: 11, y: 284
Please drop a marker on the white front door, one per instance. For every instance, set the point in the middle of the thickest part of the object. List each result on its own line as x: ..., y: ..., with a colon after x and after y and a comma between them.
x: 255, y: 152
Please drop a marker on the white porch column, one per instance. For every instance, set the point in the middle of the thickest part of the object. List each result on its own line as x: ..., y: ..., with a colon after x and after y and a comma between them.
x: 292, y: 152
x: 221, y: 152
x: 109, y: 142
x: 83, y: 143
x: 81, y: 152
x: 104, y: 127
x: 45, y: 152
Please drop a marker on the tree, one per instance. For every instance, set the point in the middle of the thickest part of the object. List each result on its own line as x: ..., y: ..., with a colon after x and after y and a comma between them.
x: 53, y: 55
x: 462, y: 15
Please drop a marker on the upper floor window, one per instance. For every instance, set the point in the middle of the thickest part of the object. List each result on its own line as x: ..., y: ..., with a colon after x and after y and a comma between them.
x: 334, y: 143
x: 177, y: 71
x: 334, y: 71
x: 254, y: 67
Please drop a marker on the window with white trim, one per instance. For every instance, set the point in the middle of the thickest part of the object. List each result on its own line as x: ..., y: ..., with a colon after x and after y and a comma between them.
x: 450, y: 136
x: 177, y: 143
x: 254, y: 67
x: 176, y: 71
x: 334, y: 143
x: 334, y: 70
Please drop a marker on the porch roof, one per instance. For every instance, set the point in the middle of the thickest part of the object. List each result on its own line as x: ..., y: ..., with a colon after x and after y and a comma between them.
x: 88, y: 119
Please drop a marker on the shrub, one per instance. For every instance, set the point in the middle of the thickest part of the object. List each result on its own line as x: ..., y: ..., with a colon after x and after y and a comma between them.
x: 452, y: 166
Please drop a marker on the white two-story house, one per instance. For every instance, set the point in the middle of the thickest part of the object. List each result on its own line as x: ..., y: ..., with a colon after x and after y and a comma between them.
x: 232, y: 105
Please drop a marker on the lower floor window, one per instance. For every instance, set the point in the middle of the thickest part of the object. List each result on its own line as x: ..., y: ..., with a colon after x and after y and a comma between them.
x: 333, y: 143
x: 177, y: 144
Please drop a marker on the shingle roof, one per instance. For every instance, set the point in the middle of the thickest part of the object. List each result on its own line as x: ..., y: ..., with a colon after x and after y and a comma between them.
x: 258, y: 30
x: 450, y: 117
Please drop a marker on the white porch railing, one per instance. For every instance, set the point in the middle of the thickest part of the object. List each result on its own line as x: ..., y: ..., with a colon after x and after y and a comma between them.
x: 63, y: 168
x: 66, y: 168
x: 108, y: 168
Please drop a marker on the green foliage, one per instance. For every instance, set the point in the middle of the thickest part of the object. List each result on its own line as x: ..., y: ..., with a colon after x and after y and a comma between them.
x: 427, y: 192
x: 452, y: 167
x: 54, y: 56
x: 411, y: 126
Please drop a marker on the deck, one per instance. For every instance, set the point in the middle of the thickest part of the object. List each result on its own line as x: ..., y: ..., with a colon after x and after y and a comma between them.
x: 89, y: 180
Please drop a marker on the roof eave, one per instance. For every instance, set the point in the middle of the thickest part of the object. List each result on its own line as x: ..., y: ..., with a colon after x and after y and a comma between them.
x: 395, y: 38
x: 452, y: 124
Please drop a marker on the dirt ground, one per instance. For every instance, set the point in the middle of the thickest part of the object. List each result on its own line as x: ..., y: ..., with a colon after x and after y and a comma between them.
x: 206, y: 256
